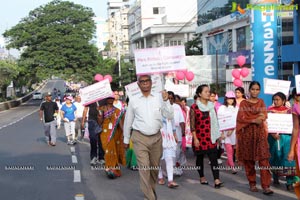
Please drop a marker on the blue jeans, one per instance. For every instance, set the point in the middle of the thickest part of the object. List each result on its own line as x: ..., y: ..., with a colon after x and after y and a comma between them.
x: 96, y: 145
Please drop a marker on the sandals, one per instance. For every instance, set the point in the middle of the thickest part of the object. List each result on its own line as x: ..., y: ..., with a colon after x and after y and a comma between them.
x: 267, y: 191
x: 161, y: 181
x: 253, y: 188
x: 172, y: 184
x: 205, y: 182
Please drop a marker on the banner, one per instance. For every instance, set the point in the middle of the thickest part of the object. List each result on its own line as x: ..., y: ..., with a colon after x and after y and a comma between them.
x: 95, y: 92
x: 273, y: 86
x: 264, y: 46
x: 297, y: 84
x: 159, y: 60
x: 280, y: 123
x: 133, y: 89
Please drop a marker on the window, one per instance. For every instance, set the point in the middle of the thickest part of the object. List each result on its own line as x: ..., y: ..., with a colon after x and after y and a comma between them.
x: 159, y: 10
x: 155, y: 10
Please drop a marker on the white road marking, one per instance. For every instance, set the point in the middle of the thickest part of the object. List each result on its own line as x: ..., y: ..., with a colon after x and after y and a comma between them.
x: 72, y: 149
x: 77, y: 176
x: 74, y: 159
x: 79, y: 197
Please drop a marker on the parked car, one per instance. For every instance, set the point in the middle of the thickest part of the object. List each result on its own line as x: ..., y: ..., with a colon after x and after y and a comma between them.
x: 37, y: 95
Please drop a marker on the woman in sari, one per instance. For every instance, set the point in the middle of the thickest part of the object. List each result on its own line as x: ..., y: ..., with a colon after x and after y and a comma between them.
x: 294, y: 153
x: 112, y: 138
x: 252, y: 139
x: 280, y: 143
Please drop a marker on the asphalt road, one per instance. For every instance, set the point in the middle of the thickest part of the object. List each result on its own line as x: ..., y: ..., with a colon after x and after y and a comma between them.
x: 31, y: 170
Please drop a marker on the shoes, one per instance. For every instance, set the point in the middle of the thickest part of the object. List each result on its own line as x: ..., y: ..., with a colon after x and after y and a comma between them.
x: 234, y: 171
x: 253, y: 188
x: 110, y: 174
x: 172, y: 184
x: 161, y: 181
x: 219, y: 185
x: 203, y: 181
x: 52, y: 144
x: 94, y: 161
x: 220, y: 161
x: 267, y: 191
x: 100, y: 162
x: 69, y: 142
x: 289, y: 187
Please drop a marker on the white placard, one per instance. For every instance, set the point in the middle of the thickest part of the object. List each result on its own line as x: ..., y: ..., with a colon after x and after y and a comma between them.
x: 273, y: 86
x: 297, y: 83
x: 133, y: 89
x: 95, y: 92
x: 280, y: 123
x: 227, y: 120
x: 179, y: 89
x: 159, y: 60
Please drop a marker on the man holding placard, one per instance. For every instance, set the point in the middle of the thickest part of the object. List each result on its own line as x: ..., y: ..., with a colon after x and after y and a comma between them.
x: 144, y: 116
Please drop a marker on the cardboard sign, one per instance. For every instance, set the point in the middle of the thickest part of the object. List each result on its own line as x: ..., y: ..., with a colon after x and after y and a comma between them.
x: 297, y: 83
x: 280, y: 123
x: 227, y: 120
x: 159, y: 60
x: 95, y: 92
x: 273, y: 86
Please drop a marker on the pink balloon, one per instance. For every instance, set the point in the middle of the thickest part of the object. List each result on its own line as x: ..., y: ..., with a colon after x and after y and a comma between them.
x: 241, y: 60
x: 237, y: 82
x: 179, y: 75
x: 244, y: 72
x: 98, y: 77
x: 108, y: 77
x: 189, y: 76
x: 236, y: 73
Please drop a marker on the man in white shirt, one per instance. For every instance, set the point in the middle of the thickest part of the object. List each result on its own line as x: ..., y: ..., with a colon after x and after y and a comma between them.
x: 79, y: 113
x: 144, y: 118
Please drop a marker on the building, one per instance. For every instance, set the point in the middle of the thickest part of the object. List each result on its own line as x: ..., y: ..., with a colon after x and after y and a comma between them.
x: 161, y: 23
x: 102, y: 33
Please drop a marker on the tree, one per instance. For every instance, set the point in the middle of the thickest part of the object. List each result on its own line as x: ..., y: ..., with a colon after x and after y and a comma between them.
x: 8, y: 71
x: 55, y: 40
x: 194, y: 47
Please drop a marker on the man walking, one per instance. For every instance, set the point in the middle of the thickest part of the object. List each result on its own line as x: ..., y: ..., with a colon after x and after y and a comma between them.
x: 144, y: 117
x: 79, y: 114
x: 48, y: 112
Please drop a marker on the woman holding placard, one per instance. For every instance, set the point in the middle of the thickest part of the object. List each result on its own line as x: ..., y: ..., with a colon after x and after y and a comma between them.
x: 280, y: 145
x: 252, y: 139
x: 294, y: 153
x: 228, y: 135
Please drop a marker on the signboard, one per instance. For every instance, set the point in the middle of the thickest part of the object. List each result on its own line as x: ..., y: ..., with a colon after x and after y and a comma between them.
x: 297, y: 83
x: 273, y: 86
x: 226, y: 120
x: 95, y: 92
x: 133, y: 89
x: 159, y: 60
x: 179, y: 89
x: 280, y: 123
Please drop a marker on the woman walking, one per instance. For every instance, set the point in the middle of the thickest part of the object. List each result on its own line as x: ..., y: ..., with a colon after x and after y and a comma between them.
x: 252, y: 139
x: 205, y: 130
x: 68, y: 114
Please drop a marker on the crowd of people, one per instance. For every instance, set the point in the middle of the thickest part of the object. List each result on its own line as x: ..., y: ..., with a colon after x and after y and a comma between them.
x: 150, y: 133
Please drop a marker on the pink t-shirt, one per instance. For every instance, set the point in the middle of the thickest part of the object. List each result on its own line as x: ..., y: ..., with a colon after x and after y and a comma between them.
x: 296, y: 110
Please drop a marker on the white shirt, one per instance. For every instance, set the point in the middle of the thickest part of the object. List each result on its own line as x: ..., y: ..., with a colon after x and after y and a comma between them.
x: 145, y: 115
x: 80, y: 109
x: 178, y: 118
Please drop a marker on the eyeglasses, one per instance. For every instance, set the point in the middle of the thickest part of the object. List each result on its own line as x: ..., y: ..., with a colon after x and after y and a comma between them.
x: 145, y: 81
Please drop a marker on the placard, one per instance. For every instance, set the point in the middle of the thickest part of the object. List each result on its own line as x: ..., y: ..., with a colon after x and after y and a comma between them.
x: 280, y: 123
x: 159, y: 60
x: 95, y: 92
x: 226, y: 120
x: 297, y: 83
x: 179, y: 89
x: 133, y: 89
x: 273, y: 86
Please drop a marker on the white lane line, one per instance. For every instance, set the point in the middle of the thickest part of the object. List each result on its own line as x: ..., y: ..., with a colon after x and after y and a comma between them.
x: 77, y: 176
x: 74, y: 159
x: 79, y: 197
x: 72, y: 149
x: 4, y: 126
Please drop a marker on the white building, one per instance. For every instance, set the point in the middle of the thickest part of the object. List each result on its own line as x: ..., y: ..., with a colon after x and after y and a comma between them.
x: 102, y: 33
x: 159, y: 23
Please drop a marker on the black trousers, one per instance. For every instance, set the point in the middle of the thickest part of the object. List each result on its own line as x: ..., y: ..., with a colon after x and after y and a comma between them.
x: 96, y: 145
x: 213, y: 157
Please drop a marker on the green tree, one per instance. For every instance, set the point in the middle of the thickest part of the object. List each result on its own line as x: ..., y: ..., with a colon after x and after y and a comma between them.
x: 194, y: 47
x: 8, y: 72
x: 55, y: 40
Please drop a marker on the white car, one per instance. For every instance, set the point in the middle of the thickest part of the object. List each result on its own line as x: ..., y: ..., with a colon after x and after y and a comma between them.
x: 37, y: 95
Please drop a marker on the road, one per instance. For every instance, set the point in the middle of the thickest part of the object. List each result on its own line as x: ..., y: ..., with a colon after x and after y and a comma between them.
x: 31, y: 170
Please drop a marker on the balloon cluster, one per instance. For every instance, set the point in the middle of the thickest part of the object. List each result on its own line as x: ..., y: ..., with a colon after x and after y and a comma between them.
x: 237, y: 73
x: 187, y: 74
x: 99, y: 77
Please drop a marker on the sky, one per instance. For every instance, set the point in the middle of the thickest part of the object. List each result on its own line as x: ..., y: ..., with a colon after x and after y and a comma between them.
x: 12, y: 11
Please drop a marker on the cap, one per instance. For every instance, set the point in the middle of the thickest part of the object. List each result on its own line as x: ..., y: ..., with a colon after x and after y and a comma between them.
x: 70, y: 98
x: 230, y: 94
x: 48, y: 94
